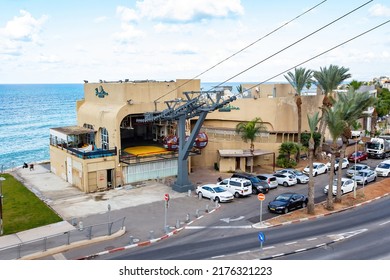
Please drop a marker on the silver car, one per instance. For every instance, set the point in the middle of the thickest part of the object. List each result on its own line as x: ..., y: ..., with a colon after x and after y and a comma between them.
x: 364, y: 177
x: 269, y: 179
x: 301, y: 177
x: 359, y: 167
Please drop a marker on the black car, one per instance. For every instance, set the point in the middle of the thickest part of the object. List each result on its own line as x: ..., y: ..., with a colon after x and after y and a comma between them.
x: 257, y: 185
x: 286, y: 202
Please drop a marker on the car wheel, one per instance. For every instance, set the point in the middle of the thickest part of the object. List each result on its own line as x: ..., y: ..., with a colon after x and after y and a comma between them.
x: 217, y: 199
x: 298, y: 181
x: 285, y: 184
x: 315, y: 174
x: 304, y: 204
x: 365, y: 182
x: 254, y: 191
x: 236, y: 195
x: 374, y: 178
x: 200, y: 195
x: 285, y: 211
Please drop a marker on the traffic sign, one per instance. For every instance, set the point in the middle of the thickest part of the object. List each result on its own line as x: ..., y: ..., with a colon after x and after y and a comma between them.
x: 261, y: 237
x: 166, y: 197
x: 261, y: 196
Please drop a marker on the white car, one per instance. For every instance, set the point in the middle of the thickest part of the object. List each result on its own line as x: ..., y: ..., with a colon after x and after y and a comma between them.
x: 214, y: 192
x: 347, y: 185
x: 383, y: 168
x: 318, y: 168
x: 364, y: 177
x: 358, y: 167
x: 236, y: 186
x: 301, y: 178
x: 344, y: 164
x: 285, y: 179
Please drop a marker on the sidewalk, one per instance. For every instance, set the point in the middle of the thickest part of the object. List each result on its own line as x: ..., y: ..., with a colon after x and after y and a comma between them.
x: 143, y: 207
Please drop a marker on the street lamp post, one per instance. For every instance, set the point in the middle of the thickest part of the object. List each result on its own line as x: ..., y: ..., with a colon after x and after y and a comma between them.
x: 354, y: 177
x: 1, y: 205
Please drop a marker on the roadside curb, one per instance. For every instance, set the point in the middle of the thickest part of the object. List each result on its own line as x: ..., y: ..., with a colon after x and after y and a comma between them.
x: 147, y: 242
x: 268, y: 225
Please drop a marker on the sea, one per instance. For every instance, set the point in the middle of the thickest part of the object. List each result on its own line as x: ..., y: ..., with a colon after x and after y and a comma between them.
x: 28, y: 111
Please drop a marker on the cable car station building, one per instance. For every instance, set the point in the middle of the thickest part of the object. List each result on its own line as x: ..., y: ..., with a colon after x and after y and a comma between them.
x: 113, y: 145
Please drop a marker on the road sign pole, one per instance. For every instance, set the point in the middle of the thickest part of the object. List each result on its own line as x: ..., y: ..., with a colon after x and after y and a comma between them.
x: 261, y: 212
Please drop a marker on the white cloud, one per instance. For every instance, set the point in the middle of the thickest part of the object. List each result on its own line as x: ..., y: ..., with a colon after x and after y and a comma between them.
x: 49, y: 59
x: 188, y: 10
x: 184, y: 49
x: 23, y: 28
x: 127, y: 14
x: 100, y: 19
x: 379, y: 10
x: 128, y: 33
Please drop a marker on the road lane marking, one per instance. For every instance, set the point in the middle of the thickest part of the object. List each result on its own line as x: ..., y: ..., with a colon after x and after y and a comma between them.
x: 384, y: 223
x: 219, y: 227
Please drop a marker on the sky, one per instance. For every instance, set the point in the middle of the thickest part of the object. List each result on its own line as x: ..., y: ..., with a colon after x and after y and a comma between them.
x: 72, y: 41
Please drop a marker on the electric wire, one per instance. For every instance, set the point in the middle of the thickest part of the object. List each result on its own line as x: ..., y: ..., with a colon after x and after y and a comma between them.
x: 241, y: 50
x: 289, y: 46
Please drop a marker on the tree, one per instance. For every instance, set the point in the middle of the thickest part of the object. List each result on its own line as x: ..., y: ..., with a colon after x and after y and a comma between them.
x: 248, y: 131
x: 313, y: 122
x: 351, y: 106
x: 298, y: 80
x: 336, y: 125
x: 286, y: 150
x: 328, y: 79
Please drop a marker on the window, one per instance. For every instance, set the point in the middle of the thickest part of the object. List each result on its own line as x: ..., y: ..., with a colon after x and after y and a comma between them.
x: 104, y: 138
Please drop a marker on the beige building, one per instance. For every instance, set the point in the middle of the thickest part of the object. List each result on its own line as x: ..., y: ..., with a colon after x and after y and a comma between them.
x: 112, y: 145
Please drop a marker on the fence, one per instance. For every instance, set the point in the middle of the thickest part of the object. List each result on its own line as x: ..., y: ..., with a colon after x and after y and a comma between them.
x: 43, y: 244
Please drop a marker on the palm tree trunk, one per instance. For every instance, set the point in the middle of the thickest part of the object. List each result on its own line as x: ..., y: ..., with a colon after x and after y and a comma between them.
x: 299, y: 107
x: 329, y: 199
x: 310, y: 203
x: 339, y: 173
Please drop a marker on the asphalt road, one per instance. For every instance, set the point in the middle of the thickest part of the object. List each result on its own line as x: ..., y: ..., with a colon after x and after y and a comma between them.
x: 229, y: 230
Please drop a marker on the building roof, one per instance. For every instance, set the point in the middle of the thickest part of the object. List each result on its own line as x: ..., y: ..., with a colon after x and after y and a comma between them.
x: 243, y: 153
x: 72, y: 130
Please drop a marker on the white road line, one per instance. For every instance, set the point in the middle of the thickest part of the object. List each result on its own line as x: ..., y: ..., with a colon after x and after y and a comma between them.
x: 269, y: 247
x: 218, y: 227
x: 384, y: 223
x: 290, y: 243
x: 243, y: 252
x: 300, y: 250
x: 59, y: 256
x: 311, y: 239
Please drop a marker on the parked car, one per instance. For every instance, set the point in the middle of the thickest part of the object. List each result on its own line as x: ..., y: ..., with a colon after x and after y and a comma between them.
x: 347, y: 185
x: 358, y: 156
x: 301, y: 177
x: 286, y: 202
x: 358, y: 167
x: 364, y: 177
x: 257, y: 185
x: 318, y: 168
x: 383, y: 168
x: 286, y: 179
x: 214, y: 192
x: 344, y: 164
x: 269, y: 179
x: 236, y: 186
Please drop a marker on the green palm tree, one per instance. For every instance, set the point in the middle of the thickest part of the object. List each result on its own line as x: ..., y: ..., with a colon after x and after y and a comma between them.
x: 313, y: 122
x: 298, y: 80
x: 336, y: 125
x: 351, y: 106
x: 248, y: 131
x: 328, y: 79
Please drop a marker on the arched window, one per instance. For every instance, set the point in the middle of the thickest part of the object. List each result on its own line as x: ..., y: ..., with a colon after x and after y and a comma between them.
x: 90, y: 137
x: 104, y: 138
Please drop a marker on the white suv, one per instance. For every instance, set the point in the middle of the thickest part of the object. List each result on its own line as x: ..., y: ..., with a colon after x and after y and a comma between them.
x: 236, y: 186
x: 383, y: 168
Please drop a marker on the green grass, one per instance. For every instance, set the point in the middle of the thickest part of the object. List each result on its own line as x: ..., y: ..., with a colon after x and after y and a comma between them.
x: 22, y: 209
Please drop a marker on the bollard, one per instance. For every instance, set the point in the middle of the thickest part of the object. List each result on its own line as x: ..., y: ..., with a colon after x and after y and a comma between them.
x: 188, y: 218
x: 131, y: 240
x: 216, y: 204
x: 151, y: 234
x: 197, y: 213
x: 81, y: 226
x: 189, y: 193
x: 207, y: 208
x: 74, y: 221
x: 167, y: 229
x: 177, y: 223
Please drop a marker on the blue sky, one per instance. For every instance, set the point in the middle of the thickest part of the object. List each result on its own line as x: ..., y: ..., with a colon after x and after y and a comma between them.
x: 71, y: 41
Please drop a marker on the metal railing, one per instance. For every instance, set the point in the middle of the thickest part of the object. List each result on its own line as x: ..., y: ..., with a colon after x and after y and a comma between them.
x: 43, y: 244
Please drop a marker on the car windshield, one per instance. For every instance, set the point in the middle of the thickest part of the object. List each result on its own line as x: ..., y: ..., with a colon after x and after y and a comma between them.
x: 218, y: 189
x: 384, y: 165
x: 254, y: 179
x: 298, y: 173
x: 282, y: 197
x: 363, y: 173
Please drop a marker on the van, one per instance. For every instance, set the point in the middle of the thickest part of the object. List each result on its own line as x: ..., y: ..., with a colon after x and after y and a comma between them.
x: 237, y: 186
